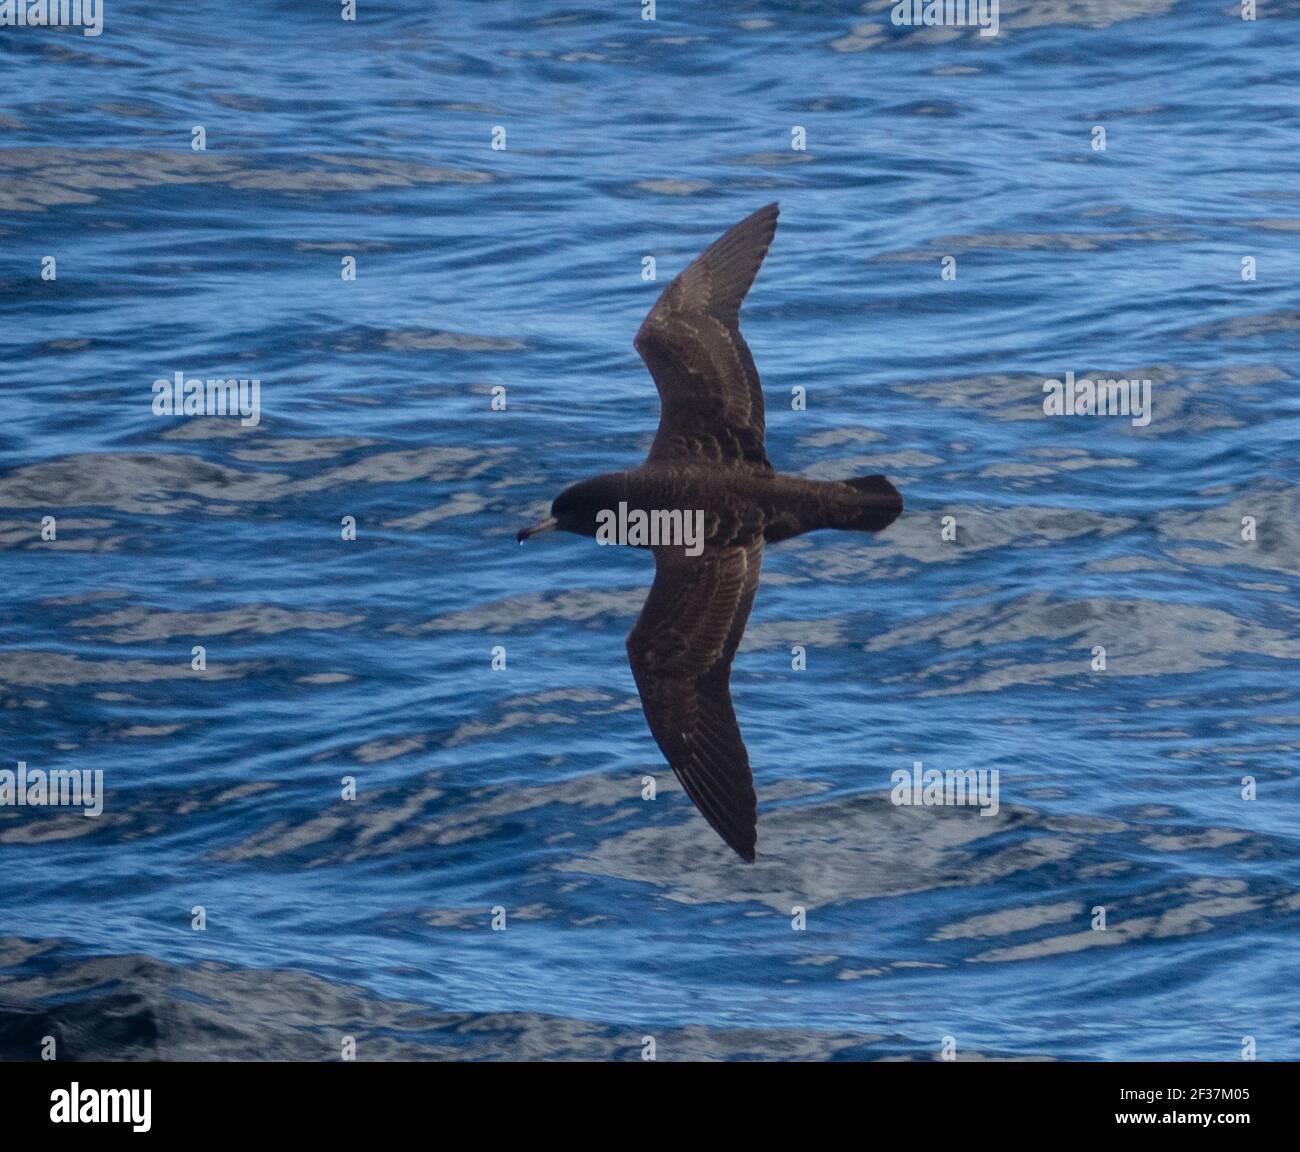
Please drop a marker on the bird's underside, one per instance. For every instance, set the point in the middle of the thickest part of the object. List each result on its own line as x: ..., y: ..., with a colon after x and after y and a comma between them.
x: 711, y: 414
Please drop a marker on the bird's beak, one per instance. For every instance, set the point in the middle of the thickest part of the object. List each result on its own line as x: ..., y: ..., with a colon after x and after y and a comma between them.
x: 547, y: 525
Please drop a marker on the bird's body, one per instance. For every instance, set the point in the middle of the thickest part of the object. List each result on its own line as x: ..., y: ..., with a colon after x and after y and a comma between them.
x: 739, y: 506
x: 708, y: 465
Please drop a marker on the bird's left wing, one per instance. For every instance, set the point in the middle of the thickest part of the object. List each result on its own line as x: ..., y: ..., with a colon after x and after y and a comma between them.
x: 681, y: 651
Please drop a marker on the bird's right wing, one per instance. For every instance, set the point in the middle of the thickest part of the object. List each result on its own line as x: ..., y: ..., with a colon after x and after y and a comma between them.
x: 681, y: 651
x: 710, y: 396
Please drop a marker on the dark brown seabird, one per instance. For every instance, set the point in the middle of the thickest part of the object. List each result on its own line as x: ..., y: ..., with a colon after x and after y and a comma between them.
x: 709, y: 454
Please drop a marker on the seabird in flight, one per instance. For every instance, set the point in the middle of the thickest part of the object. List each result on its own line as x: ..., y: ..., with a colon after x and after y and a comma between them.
x: 709, y: 455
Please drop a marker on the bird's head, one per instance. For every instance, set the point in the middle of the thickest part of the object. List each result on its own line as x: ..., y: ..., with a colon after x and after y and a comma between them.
x: 576, y: 508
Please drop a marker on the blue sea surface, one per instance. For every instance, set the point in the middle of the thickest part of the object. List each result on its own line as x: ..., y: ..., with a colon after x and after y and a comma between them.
x: 1137, y: 893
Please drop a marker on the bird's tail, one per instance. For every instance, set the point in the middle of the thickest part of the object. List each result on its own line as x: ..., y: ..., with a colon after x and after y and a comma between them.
x: 868, y: 504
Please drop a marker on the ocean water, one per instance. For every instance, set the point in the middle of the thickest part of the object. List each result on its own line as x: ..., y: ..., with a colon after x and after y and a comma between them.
x: 1126, y: 789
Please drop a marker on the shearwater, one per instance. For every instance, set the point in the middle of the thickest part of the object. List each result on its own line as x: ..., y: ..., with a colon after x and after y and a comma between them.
x: 710, y: 454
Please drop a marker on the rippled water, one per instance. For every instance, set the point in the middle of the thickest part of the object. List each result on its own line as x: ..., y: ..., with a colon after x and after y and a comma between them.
x: 521, y: 269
